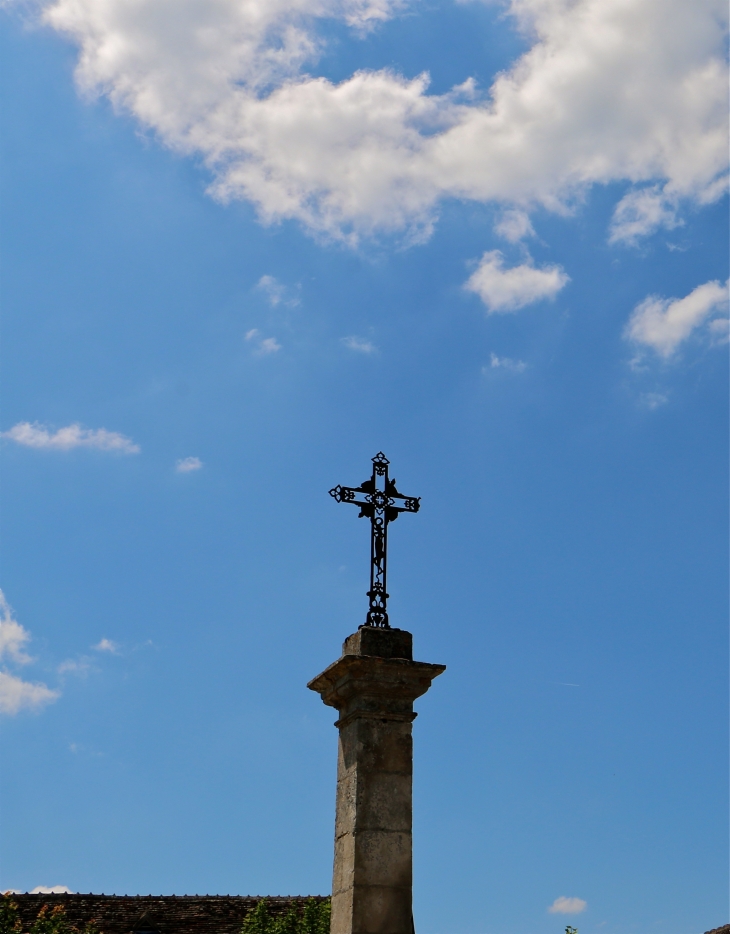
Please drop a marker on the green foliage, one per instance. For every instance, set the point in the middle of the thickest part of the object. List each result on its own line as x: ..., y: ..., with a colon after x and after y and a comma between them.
x: 9, y: 919
x: 56, y: 922
x: 258, y: 920
x: 570, y: 930
x: 313, y: 919
x: 289, y: 924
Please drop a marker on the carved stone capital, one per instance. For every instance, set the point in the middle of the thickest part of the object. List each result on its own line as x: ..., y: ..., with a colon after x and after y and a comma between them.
x: 368, y: 686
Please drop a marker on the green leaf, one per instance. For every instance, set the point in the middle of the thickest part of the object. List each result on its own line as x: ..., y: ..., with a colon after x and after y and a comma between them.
x: 286, y: 924
x: 54, y: 922
x: 9, y: 918
x: 258, y: 920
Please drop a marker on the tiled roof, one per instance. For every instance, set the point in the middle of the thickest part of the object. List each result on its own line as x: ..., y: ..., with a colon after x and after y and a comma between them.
x: 166, y: 914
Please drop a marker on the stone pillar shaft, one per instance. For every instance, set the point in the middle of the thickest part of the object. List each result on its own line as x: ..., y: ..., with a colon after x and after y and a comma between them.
x: 373, y: 686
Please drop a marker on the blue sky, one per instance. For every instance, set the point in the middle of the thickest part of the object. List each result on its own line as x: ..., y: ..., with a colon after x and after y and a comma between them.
x: 245, y: 248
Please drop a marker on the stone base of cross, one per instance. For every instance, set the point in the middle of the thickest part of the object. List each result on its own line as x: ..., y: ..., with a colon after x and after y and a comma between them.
x: 373, y: 686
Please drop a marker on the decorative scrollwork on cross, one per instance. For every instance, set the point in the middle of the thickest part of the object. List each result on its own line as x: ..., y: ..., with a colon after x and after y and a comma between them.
x: 381, y: 503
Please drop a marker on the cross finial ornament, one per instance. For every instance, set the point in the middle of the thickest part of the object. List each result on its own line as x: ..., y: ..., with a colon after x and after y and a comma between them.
x: 380, y: 502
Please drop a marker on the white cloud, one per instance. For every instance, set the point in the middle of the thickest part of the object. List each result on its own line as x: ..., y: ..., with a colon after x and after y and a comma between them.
x: 506, y: 363
x: 264, y: 345
x: 188, y: 464
x: 629, y: 90
x: 72, y: 436
x: 17, y: 695
x: 359, y: 344
x: 653, y: 400
x: 720, y: 330
x: 514, y: 226
x: 504, y: 290
x: 715, y: 190
x: 640, y: 213
x: 276, y: 292
x: 269, y: 345
x: 13, y: 636
x: 74, y: 666
x: 567, y: 906
x: 106, y: 645
x: 51, y: 890
x: 663, y: 323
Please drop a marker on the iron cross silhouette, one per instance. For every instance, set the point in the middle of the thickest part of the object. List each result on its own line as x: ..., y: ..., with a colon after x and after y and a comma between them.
x: 380, y: 505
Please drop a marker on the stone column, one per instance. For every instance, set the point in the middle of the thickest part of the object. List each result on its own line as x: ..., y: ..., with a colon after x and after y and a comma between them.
x: 373, y: 686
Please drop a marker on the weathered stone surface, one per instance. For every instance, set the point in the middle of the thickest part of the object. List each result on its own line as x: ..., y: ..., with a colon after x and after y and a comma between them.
x: 385, y: 802
x: 373, y: 686
x: 384, y: 643
x: 377, y: 909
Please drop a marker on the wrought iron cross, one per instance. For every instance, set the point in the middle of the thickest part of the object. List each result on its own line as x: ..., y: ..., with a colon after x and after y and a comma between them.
x: 379, y: 504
